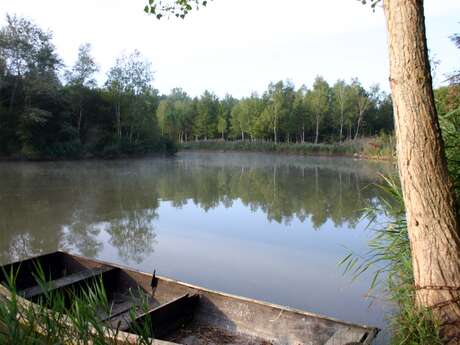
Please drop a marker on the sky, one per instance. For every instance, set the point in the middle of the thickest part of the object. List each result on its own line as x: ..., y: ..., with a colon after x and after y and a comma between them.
x: 240, y: 46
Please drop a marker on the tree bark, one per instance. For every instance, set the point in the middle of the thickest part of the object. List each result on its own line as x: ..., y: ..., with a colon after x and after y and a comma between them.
x: 360, y: 117
x: 341, y: 125
x: 432, y: 217
x: 317, y: 130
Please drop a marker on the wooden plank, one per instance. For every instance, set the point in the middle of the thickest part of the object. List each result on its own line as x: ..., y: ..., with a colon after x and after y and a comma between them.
x: 162, y: 319
x: 118, y: 309
x: 66, y: 281
x: 347, y: 336
x: 170, y: 316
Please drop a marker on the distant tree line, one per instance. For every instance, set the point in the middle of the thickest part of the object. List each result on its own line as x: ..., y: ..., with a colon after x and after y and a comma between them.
x: 52, y: 112
x: 324, y: 113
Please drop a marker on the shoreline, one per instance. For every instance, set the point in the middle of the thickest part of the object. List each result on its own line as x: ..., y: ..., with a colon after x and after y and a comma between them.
x: 326, y: 155
x: 6, y: 159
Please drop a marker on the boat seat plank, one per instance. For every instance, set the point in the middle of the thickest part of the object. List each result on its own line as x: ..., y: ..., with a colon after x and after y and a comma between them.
x: 163, y: 319
x: 347, y: 336
x: 66, y: 281
x: 170, y: 316
x: 120, y: 308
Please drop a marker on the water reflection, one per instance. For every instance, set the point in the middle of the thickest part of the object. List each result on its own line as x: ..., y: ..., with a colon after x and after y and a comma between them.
x: 263, y: 226
x: 69, y: 205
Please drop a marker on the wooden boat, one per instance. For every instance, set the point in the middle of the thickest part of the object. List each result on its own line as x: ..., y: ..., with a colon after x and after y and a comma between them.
x: 180, y: 313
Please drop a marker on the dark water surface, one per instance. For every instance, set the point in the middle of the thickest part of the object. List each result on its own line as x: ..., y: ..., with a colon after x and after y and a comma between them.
x: 264, y: 226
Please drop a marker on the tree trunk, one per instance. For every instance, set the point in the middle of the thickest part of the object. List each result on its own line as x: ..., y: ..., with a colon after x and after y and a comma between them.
x: 303, y: 133
x: 317, y: 130
x: 360, y: 117
x: 341, y: 124
x: 432, y: 217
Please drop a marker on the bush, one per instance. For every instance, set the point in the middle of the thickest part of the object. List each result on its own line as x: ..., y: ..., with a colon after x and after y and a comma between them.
x: 362, y: 147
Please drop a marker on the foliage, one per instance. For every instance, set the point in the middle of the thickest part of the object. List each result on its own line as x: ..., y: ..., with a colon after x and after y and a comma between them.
x: 40, y: 118
x: 281, y: 114
x: 380, y: 147
x: 389, y: 256
x: 178, y: 8
x: 59, y: 320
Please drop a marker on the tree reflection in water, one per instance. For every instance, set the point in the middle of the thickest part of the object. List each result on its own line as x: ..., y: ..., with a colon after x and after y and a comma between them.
x: 70, y: 205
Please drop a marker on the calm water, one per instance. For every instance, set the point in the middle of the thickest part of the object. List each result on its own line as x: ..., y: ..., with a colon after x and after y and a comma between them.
x: 263, y: 226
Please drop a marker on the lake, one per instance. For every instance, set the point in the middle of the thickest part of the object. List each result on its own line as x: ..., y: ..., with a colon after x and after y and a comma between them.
x: 263, y: 226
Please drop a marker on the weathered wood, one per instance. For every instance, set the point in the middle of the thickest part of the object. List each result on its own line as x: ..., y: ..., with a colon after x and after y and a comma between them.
x: 66, y: 281
x: 168, y: 317
x: 161, y: 319
x: 211, y: 313
x: 347, y: 336
x: 117, y: 309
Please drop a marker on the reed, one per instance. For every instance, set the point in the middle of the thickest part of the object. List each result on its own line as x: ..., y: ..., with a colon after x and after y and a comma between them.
x: 62, y: 317
x: 380, y: 147
x: 389, y: 258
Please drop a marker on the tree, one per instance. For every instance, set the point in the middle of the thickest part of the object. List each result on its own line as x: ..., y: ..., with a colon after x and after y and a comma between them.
x: 222, y: 125
x: 340, y: 99
x: 81, y: 79
x: 206, y: 119
x: 362, y: 100
x: 431, y: 210
x: 319, y: 99
x: 127, y: 81
x: 27, y: 51
x: 300, y: 111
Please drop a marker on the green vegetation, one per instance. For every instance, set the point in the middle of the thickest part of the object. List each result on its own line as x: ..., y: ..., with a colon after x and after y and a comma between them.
x: 379, y: 147
x: 51, y: 112
x: 61, y: 317
x: 390, y: 253
x: 42, y: 118
x: 390, y: 256
x: 283, y: 114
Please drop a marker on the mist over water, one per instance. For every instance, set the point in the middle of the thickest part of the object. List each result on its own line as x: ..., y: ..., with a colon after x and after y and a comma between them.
x: 263, y: 226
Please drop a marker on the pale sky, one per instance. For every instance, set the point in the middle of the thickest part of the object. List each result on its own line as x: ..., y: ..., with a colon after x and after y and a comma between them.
x: 239, y: 46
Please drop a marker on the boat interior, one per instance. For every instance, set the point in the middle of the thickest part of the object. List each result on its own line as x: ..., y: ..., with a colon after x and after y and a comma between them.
x: 177, y: 312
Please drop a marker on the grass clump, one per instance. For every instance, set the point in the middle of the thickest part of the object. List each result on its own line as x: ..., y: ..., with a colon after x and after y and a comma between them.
x: 389, y: 257
x: 61, y: 317
x: 380, y: 147
x: 389, y: 252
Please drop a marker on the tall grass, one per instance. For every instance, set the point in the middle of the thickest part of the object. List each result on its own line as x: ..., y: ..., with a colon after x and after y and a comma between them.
x: 380, y: 147
x: 61, y: 317
x: 389, y: 255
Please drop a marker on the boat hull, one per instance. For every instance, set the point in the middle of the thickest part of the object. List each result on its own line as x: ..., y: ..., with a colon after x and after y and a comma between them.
x: 193, y: 315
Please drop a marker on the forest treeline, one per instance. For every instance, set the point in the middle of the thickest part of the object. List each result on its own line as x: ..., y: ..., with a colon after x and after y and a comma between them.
x: 283, y: 113
x: 53, y: 111
x: 48, y: 110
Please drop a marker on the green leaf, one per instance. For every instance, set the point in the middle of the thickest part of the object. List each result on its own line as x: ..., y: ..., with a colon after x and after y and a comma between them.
x: 146, y: 9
